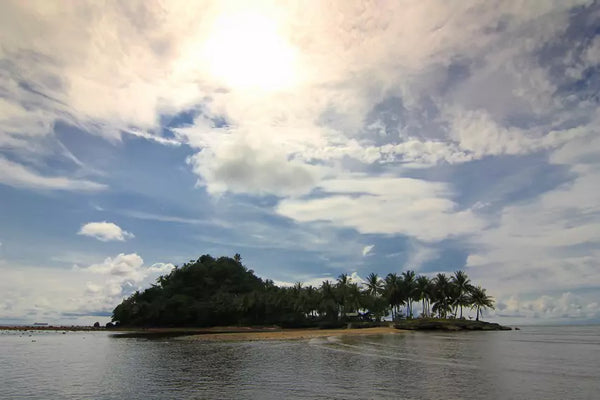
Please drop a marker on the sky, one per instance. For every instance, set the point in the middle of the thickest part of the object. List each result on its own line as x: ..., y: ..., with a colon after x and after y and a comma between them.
x: 313, y: 138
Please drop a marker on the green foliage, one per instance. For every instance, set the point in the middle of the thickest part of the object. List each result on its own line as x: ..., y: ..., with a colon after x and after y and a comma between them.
x: 204, y: 292
x: 222, y: 291
x: 479, y: 300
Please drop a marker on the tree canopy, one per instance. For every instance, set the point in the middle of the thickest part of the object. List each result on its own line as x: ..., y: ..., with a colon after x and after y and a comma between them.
x: 222, y: 291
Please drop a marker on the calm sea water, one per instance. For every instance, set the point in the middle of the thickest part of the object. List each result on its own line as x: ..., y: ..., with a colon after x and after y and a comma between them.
x: 534, y: 363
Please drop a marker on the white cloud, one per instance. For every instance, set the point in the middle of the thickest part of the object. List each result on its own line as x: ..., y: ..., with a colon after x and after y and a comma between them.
x: 118, y: 68
x: 355, y: 278
x: 105, y: 231
x: 478, y: 135
x: 386, y: 205
x: 17, y: 175
x: 590, y: 58
x: 108, y: 282
x: 549, y: 243
x: 149, y: 136
x: 367, y: 250
x: 565, y: 306
x: 242, y: 169
x: 317, y: 281
x: 33, y: 293
x: 111, y: 83
x: 126, y: 268
x: 420, y: 253
x: 592, y: 53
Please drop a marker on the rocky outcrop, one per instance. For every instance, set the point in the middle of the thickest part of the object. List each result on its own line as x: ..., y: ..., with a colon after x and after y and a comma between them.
x: 432, y: 324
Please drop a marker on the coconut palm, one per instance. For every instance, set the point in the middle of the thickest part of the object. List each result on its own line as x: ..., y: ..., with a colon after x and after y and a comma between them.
x: 312, y: 299
x: 393, y: 293
x: 480, y: 300
x: 343, y: 293
x: 423, y: 292
x: 299, y: 299
x: 462, y: 285
x: 328, y: 304
x: 441, y: 295
x: 372, y: 297
x: 409, y: 284
x: 354, y: 300
x: 374, y: 285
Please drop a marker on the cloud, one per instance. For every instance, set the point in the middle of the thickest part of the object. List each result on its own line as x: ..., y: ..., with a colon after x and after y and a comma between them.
x: 149, y: 136
x: 477, y: 134
x: 17, y: 175
x: 549, y: 243
x: 367, y: 136
x: 127, y: 267
x: 367, y: 250
x: 76, y: 295
x: 105, y: 231
x: 242, y: 169
x: 317, y: 281
x: 386, y: 205
x: 108, y: 282
x: 160, y: 69
x: 564, y: 306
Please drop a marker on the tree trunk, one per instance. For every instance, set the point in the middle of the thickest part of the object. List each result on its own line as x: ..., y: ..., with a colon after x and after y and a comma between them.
x: 477, y: 318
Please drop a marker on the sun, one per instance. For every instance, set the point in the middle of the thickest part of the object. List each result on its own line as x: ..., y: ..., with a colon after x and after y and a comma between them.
x: 246, y: 51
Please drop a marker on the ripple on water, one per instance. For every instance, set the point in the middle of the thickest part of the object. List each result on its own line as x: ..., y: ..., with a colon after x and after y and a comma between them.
x: 549, y: 363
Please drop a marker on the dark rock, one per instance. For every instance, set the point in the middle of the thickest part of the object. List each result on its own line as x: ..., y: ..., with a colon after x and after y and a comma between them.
x: 434, y: 324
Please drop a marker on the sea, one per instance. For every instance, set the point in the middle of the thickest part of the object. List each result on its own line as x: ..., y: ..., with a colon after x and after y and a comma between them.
x: 536, y: 362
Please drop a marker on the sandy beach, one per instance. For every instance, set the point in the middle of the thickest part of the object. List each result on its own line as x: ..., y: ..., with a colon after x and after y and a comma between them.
x: 292, y: 334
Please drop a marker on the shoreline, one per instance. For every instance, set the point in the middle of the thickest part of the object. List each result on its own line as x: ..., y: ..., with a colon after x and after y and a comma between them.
x: 249, y: 333
x: 30, y: 328
x: 291, y: 334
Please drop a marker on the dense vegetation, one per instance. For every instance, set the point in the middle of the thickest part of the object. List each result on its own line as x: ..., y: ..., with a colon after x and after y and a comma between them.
x: 222, y: 291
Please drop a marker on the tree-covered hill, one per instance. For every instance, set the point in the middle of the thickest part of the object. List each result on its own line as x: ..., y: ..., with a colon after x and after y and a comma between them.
x: 222, y: 291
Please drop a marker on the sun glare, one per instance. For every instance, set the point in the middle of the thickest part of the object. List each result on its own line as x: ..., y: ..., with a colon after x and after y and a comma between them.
x: 246, y: 51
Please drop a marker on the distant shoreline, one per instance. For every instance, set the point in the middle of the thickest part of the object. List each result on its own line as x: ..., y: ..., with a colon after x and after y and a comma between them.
x: 242, y: 333
x: 226, y: 333
x: 25, y: 328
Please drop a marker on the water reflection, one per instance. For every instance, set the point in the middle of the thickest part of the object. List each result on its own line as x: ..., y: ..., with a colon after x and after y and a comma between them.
x: 534, y: 363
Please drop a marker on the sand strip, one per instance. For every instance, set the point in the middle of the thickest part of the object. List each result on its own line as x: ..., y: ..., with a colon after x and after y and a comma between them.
x: 292, y: 334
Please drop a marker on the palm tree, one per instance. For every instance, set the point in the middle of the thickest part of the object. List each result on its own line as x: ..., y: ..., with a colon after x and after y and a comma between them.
x: 354, y: 300
x: 374, y: 285
x: 480, y: 300
x: 441, y: 295
x: 462, y: 284
x: 312, y: 299
x: 372, y: 297
x: 343, y: 293
x: 409, y: 284
x: 393, y: 293
x: 299, y: 299
x: 328, y: 303
x: 422, y: 292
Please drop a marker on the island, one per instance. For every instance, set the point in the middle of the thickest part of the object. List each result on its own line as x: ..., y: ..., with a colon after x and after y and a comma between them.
x: 207, y: 293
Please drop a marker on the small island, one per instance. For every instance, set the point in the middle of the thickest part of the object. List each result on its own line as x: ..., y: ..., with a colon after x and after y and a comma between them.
x: 208, y: 293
